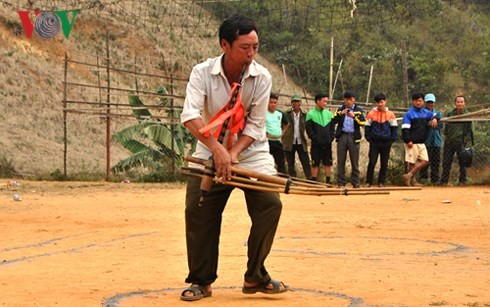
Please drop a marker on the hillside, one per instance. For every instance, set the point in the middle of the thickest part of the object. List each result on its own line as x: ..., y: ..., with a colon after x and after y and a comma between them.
x: 31, y: 74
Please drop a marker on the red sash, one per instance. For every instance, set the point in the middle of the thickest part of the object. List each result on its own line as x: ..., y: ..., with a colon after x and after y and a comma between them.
x: 235, y: 114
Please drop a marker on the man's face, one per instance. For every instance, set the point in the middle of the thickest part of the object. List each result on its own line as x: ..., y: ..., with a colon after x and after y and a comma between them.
x: 243, y: 49
x: 460, y: 103
x: 322, y: 103
x: 296, y: 104
x: 429, y: 105
x: 418, y: 102
x: 381, y: 105
x: 272, y: 105
x: 349, y: 102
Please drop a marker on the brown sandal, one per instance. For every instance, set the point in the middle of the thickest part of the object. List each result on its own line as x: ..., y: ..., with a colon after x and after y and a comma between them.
x: 277, y: 287
x: 198, y: 291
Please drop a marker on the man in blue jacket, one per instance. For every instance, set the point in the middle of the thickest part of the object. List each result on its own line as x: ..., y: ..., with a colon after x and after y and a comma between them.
x: 415, y: 126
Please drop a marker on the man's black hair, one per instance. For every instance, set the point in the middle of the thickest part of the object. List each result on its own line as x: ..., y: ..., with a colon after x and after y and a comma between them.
x: 379, y: 97
x: 349, y: 94
x: 320, y: 96
x: 456, y: 98
x: 234, y: 26
x: 416, y: 96
x: 274, y: 95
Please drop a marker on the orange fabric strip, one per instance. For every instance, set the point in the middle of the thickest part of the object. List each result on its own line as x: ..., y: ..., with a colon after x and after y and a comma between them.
x: 235, y: 114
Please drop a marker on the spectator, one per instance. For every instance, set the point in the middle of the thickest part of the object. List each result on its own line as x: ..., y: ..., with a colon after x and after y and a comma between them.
x: 294, y: 139
x: 276, y: 125
x: 320, y: 130
x: 415, y: 126
x: 380, y: 131
x: 457, y: 136
x: 433, y: 143
x: 348, y: 119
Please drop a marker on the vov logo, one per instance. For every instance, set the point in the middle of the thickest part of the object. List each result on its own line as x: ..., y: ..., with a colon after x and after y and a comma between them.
x: 47, y: 24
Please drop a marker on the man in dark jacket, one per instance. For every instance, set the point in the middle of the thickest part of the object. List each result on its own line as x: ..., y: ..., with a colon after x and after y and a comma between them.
x: 319, y: 130
x: 348, y: 119
x: 415, y: 127
x: 457, y: 136
x: 294, y: 139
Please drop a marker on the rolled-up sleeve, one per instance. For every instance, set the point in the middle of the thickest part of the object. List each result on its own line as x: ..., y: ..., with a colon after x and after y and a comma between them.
x: 195, y: 97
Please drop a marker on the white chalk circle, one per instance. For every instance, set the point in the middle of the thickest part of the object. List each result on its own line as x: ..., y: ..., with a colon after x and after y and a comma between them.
x: 364, y: 246
x: 230, y: 296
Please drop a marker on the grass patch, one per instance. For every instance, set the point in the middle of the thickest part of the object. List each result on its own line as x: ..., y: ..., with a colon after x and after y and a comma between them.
x: 7, y: 168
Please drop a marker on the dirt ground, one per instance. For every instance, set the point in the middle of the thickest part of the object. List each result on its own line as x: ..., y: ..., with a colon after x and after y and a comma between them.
x: 123, y: 244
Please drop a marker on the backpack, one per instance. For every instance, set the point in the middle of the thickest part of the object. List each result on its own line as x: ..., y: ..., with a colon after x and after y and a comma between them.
x: 465, y: 156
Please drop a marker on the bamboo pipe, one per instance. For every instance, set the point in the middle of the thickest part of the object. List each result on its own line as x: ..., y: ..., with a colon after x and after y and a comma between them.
x: 302, y: 180
x: 259, y: 176
x: 279, y: 189
x: 289, y: 182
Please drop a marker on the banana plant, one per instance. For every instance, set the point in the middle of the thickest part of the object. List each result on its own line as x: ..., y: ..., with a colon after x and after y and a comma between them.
x: 152, y: 143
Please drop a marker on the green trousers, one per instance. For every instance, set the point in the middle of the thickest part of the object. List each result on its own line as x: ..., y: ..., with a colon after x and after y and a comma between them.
x: 203, y: 227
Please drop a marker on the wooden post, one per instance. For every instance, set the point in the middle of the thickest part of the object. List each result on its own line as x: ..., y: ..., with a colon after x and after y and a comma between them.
x: 108, y: 112
x: 302, y: 87
x: 65, y: 137
x: 336, y: 77
x: 284, y: 74
x: 98, y: 80
x: 369, y: 84
x: 405, y: 73
x: 135, y: 76
x: 330, y: 89
x: 172, y: 125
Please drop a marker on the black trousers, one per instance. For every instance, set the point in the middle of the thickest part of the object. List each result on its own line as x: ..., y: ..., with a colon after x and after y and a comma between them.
x: 346, y: 143
x: 303, y: 158
x: 381, y: 149
x: 276, y: 150
x: 434, y: 163
x: 447, y: 160
x: 203, y: 228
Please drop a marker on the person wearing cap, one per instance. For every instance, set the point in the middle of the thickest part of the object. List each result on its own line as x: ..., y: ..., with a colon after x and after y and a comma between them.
x: 319, y: 130
x: 458, y: 135
x: 294, y: 139
x: 381, y: 131
x: 348, y: 119
x: 276, y: 124
x: 433, y: 143
x: 415, y: 126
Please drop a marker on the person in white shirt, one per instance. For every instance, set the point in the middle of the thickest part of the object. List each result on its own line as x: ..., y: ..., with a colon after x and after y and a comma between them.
x: 294, y: 140
x: 208, y: 90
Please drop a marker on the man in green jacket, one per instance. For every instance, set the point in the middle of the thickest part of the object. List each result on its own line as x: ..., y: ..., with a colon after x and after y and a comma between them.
x: 457, y: 136
x: 294, y: 139
x: 320, y: 130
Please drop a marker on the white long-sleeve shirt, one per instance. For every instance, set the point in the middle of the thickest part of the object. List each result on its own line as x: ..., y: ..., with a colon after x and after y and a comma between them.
x: 207, y: 93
